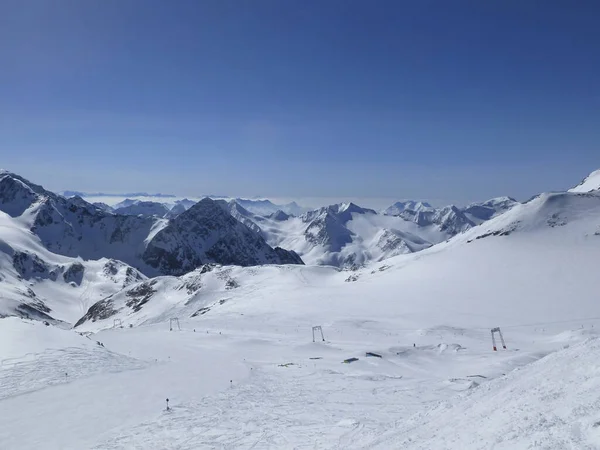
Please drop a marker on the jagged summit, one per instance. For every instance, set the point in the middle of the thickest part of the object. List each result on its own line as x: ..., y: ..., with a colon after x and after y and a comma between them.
x: 73, y: 227
x: 279, y: 215
x: 343, y: 234
x: 341, y: 211
x: 208, y: 233
x: 411, y: 205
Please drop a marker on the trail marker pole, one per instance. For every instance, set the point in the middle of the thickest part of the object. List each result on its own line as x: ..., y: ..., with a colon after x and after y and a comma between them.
x: 317, y: 329
x: 174, y: 321
x: 497, y: 330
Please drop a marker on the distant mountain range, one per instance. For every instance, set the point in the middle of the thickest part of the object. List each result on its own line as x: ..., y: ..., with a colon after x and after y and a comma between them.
x: 556, y: 225
x: 59, y: 255
x: 203, y: 233
x: 342, y: 235
x: 102, y: 194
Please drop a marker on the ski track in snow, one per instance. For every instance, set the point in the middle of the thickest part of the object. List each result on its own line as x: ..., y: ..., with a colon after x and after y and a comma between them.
x: 38, y: 371
x: 274, y: 411
x: 272, y: 404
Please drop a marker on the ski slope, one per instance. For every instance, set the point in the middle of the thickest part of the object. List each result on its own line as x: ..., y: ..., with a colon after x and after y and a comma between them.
x: 242, y: 370
x: 551, y: 404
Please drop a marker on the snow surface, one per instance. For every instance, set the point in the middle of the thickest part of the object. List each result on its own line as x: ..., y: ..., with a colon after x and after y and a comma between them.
x: 590, y: 183
x: 242, y: 371
x: 450, y: 390
x: 551, y: 404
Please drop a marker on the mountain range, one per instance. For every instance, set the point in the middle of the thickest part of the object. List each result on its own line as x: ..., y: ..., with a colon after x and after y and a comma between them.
x: 404, y: 340
x: 552, y: 223
x: 52, y: 244
x: 73, y: 227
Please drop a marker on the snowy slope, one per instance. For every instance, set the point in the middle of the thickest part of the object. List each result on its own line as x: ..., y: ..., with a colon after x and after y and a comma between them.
x: 549, y: 210
x: 191, y: 295
x: 36, y: 283
x: 589, y: 183
x: 535, y: 283
x: 552, y: 404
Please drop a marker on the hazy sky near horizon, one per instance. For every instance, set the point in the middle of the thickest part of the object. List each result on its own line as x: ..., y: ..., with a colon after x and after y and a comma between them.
x: 444, y: 101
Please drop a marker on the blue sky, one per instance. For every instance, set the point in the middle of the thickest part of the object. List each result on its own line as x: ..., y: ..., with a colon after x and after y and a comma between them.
x: 446, y: 101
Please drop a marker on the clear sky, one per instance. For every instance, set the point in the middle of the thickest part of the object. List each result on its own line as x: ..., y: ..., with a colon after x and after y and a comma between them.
x: 450, y: 101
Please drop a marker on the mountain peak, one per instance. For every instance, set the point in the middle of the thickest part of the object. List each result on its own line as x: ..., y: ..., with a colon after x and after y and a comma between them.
x: 410, y: 205
x: 589, y: 183
x: 208, y: 232
x: 17, y: 194
x: 279, y: 215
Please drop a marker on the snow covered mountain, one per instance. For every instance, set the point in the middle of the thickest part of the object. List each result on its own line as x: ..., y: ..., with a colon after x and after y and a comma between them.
x: 175, y: 211
x: 480, y: 212
x: 589, y: 183
x: 451, y: 219
x: 72, y: 227
x: 405, y: 359
x: 184, y: 203
x: 38, y: 284
x: 103, y: 206
x: 195, y: 292
x: 146, y: 209
x: 551, y: 220
x: 411, y: 205
x: 208, y: 233
x: 348, y: 236
x: 549, y: 210
x: 340, y: 235
x: 244, y: 216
